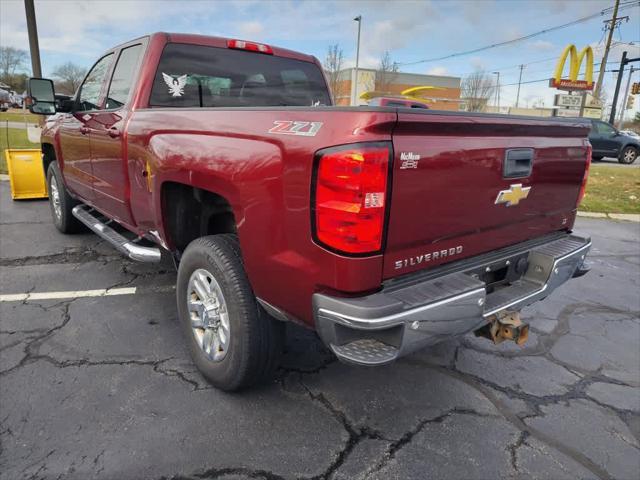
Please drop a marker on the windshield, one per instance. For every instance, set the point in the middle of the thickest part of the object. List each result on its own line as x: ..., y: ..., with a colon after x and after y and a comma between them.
x: 200, y: 76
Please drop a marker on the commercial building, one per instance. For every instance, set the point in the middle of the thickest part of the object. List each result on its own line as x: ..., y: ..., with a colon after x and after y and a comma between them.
x: 444, y: 96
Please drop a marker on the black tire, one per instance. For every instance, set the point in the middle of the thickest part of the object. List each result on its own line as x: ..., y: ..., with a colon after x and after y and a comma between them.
x: 255, y: 339
x: 628, y: 155
x: 63, y: 219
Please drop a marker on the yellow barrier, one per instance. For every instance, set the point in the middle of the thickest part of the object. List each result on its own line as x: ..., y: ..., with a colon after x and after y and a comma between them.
x: 26, y: 174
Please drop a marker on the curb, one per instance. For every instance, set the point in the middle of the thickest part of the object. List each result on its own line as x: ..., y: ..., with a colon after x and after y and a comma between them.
x: 4, y: 177
x: 625, y: 217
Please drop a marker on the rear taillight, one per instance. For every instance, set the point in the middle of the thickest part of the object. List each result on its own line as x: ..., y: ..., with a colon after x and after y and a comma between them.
x: 585, y: 177
x: 250, y: 46
x: 350, y: 197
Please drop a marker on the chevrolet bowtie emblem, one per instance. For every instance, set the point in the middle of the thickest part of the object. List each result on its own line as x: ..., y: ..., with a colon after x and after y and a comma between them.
x: 513, y: 195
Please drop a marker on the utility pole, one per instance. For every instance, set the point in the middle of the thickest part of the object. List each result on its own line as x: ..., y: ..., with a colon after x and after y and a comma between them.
x: 497, y: 90
x: 32, y: 29
x: 624, y: 101
x: 354, y: 95
x: 519, y: 82
x: 611, y: 26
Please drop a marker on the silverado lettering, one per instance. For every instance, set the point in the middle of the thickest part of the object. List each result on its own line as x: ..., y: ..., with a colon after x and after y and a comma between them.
x: 211, y: 151
x: 427, y: 257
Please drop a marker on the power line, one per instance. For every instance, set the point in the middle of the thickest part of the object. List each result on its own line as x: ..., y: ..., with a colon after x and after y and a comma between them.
x: 536, y: 81
x: 526, y: 37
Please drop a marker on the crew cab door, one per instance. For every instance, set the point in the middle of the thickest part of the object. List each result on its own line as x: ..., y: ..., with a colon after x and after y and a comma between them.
x: 108, y: 139
x: 75, y: 131
x: 603, y: 138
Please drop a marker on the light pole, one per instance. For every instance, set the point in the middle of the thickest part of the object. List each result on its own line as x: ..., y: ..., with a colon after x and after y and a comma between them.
x: 519, y: 83
x: 34, y: 48
x: 626, y: 97
x: 497, y: 90
x: 355, y: 87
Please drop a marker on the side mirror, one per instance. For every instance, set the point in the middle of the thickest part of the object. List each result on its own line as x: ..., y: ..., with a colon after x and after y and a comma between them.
x: 42, y: 96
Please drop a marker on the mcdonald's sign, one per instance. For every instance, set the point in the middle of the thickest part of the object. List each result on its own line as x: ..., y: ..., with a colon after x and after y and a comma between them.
x: 575, y: 61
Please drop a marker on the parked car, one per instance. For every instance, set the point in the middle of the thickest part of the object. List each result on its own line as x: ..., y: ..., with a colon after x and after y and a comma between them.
x: 384, y: 229
x: 609, y: 142
x: 396, y: 102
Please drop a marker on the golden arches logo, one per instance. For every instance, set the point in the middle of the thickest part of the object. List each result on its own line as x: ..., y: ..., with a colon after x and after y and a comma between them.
x: 575, y: 61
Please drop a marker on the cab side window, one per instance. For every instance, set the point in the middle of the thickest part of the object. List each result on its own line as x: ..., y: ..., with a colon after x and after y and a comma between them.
x: 123, y: 77
x: 89, y: 97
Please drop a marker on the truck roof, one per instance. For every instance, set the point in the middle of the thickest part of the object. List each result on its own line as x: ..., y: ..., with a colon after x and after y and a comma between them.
x: 220, y: 42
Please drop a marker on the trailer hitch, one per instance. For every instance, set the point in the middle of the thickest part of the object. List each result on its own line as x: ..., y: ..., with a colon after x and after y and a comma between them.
x: 505, y: 325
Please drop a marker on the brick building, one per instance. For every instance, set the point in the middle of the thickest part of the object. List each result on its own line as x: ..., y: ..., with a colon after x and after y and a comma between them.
x: 445, y: 97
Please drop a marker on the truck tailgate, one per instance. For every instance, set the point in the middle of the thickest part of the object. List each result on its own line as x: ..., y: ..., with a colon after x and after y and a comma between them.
x: 449, y: 170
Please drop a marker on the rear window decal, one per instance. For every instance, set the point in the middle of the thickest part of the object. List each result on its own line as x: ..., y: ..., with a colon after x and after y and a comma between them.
x: 176, y: 85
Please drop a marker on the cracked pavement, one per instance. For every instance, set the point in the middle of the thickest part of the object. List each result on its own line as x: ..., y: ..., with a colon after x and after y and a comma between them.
x: 103, y: 387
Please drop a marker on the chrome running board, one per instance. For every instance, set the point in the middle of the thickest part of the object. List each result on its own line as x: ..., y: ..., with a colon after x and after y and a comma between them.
x: 122, y: 244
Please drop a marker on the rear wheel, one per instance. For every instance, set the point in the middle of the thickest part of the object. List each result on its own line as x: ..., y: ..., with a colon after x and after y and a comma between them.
x: 232, y: 341
x: 61, y: 202
x: 628, y: 155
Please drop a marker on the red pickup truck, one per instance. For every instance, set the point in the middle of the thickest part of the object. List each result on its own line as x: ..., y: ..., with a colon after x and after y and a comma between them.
x: 384, y: 229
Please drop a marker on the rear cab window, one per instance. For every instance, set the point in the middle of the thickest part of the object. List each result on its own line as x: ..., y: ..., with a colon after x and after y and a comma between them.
x: 201, y: 76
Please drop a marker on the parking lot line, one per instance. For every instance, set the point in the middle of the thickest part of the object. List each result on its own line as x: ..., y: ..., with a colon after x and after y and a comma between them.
x: 101, y: 292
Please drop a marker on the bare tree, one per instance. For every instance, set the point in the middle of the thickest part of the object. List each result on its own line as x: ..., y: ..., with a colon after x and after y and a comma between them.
x: 12, y: 61
x: 332, y: 66
x: 386, y: 73
x: 69, y: 76
x: 476, y: 90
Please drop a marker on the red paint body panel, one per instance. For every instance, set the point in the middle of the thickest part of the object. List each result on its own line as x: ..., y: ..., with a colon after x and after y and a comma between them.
x: 448, y: 200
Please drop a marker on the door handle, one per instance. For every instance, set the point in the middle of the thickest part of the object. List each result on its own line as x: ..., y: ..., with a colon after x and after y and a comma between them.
x: 113, y: 132
x: 517, y: 163
x: 84, y: 130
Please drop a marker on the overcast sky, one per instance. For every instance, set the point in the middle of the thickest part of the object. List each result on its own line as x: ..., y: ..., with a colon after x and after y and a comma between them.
x: 411, y: 30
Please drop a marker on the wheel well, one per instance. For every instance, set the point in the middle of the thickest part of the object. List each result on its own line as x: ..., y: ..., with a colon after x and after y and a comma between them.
x: 189, y: 213
x: 48, y: 155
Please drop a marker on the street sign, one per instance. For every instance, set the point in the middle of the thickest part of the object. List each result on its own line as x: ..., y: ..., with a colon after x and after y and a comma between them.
x: 592, y: 113
x: 568, y: 112
x: 568, y: 101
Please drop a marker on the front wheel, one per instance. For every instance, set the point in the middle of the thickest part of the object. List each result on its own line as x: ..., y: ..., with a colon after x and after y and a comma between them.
x: 628, y: 155
x: 232, y: 341
x: 61, y: 202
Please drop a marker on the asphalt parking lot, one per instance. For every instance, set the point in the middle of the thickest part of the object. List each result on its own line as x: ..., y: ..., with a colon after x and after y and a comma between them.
x: 102, y: 387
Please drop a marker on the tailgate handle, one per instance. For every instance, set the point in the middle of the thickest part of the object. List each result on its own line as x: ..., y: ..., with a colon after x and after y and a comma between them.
x: 518, y: 163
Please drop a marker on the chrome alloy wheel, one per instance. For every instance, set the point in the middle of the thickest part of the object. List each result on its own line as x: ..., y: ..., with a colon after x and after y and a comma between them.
x: 55, y: 197
x: 629, y: 155
x: 208, y: 314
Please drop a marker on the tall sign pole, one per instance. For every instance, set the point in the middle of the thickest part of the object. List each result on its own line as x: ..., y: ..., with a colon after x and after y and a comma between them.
x: 33, y: 38
x: 603, y: 64
x: 626, y: 97
x: 355, y: 80
x: 623, y: 62
x: 519, y: 82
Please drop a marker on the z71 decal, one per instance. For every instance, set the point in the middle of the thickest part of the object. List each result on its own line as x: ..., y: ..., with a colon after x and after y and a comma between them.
x: 287, y: 127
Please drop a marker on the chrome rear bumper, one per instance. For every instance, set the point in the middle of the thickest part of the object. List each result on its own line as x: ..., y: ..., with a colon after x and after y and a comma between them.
x: 378, y: 328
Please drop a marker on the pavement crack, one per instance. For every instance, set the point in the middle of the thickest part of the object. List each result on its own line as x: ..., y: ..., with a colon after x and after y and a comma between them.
x: 212, y: 473
x: 408, y: 437
x: 355, y: 434
x: 513, y: 449
x: 485, y: 388
x: 70, y: 255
